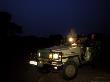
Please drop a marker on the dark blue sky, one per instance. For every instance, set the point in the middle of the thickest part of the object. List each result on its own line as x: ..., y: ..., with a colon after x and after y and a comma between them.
x: 44, y: 17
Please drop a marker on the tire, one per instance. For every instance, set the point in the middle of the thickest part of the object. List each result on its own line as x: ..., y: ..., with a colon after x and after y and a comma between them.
x: 70, y: 70
x: 44, y: 69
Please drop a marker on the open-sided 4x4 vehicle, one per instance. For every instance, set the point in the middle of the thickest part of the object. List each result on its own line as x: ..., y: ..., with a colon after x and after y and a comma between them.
x: 64, y: 58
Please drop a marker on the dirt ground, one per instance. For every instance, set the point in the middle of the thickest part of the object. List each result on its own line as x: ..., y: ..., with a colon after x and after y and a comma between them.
x: 85, y: 74
x: 23, y: 72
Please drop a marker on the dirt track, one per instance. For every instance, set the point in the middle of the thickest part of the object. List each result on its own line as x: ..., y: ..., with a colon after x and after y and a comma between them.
x: 27, y: 73
x: 85, y: 74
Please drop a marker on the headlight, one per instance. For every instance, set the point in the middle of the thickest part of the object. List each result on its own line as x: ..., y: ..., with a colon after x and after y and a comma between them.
x: 55, y: 56
x: 50, y: 56
x: 33, y: 62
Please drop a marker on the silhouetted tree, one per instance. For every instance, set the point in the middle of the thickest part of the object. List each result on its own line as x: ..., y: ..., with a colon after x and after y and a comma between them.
x: 7, y: 28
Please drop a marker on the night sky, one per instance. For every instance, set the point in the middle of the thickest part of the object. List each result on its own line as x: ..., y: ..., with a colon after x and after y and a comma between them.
x: 45, y: 17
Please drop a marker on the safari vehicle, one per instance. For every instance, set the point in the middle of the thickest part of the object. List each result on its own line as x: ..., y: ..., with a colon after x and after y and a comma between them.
x: 65, y: 58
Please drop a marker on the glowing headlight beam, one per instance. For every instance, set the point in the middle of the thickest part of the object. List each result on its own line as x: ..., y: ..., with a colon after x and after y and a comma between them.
x: 50, y: 56
x: 55, y: 56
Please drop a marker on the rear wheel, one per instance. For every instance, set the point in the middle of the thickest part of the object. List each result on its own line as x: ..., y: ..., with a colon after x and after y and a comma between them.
x: 70, y: 70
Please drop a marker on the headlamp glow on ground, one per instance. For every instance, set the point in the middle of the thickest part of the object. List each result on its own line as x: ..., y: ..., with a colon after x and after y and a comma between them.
x: 33, y: 62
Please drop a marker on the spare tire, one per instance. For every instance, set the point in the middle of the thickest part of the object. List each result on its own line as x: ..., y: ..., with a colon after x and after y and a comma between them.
x: 70, y: 70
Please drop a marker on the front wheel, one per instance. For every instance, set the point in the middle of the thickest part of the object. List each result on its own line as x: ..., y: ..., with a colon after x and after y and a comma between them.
x: 70, y: 70
x: 45, y: 69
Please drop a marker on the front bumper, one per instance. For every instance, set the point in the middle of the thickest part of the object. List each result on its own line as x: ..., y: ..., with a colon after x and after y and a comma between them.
x: 52, y: 65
